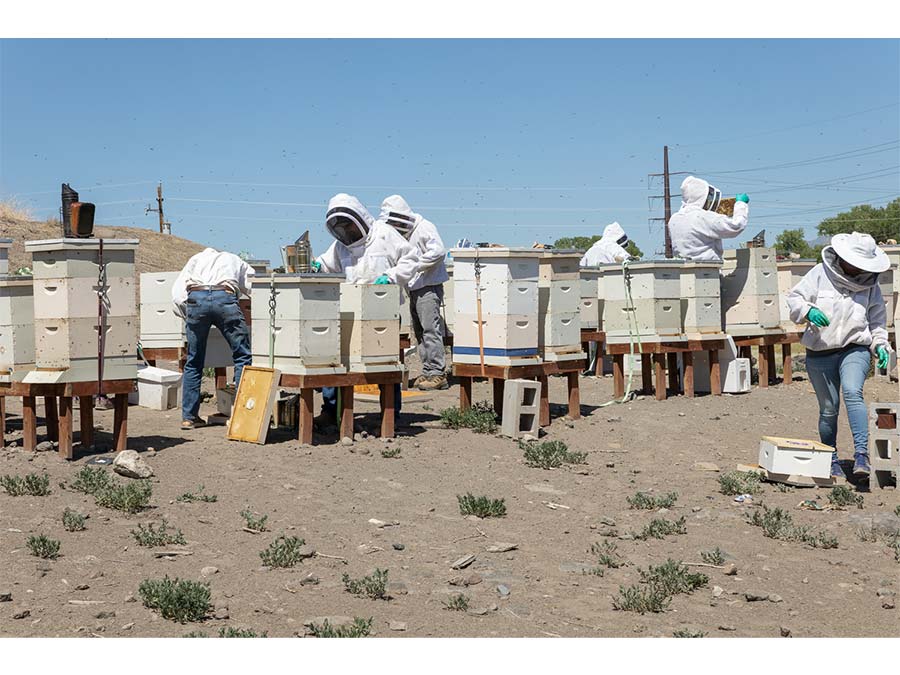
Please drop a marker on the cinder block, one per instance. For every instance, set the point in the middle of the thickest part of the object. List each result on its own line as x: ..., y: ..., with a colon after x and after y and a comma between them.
x: 369, y: 341
x: 521, y: 408
x: 368, y: 302
x: 653, y: 317
x: 497, y: 298
x: 653, y: 280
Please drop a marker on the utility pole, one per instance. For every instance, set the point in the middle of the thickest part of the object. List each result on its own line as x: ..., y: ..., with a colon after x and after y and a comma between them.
x: 667, y: 198
x: 165, y: 227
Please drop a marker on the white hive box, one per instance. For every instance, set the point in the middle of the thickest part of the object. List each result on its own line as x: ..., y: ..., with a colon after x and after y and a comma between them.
x: 591, y: 303
x: 16, y: 328
x: 5, y: 245
x: 701, y: 304
x: 509, y: 305
x: 790, y: 272
x: 793, y: 457
x: 559, y: 306
x: 370, y: 327
x: 449, y: 302
x: 887, y: 284
x: 161, y: 327
x: 734, y: 371
x: 750, y: 291
x: 307, y: 323
x: 66, y: 330
x: 261, y: 268
x: 157, y: 388
x: 656, y: 294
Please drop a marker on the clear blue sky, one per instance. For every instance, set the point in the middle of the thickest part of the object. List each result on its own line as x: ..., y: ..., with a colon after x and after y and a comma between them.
x: 516, y: 140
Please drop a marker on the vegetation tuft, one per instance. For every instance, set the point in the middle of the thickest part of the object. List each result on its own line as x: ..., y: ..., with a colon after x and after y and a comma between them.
x: 283, y: 552
x: 373, y: 586
x: 457, y: 602
x: 550, y: 454
x: 230, y: 632
x: 162, y: 536
x: 642, y: 500
x: 197, y: 496
x: 607, y: 557
x: 254, y: 522
x: 176, y: 599
x: 92, y: 481
x: 687, y: 633
x: 660, y: 528
x: 778, y: 524
x: 842, y: 497
x: 32, y: 484
x: 739, y: 483
x: 483, y: 507
x: 641, y: 599
x: 480, y: 418
x: 358, y: 629
x: 73, y: 521
x: 43, y: 547
x: 713, y: 557
x: 130, y: 498
x: 391, y: 453
x: 657, y: 588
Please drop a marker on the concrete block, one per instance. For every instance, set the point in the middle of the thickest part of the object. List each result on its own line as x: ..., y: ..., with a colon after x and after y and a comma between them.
x: 521, y: 408
x: 510, y: 332
x: 76, y: 298
x: 367, y: 302
x: 497, y: 298
x: 653, y: 317
x: 795, y: 457
x: 369, y: 341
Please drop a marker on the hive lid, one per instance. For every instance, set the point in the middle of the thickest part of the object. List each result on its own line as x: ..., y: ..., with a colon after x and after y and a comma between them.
x: 702, y: 264
x: 158, y: 375
x: 802, y: 262
x: 557, y: 253
x: 520, y: 252
x: 306, y: 277
x: 797, y: 444
x: 72, y: 244
x: 644, y: 265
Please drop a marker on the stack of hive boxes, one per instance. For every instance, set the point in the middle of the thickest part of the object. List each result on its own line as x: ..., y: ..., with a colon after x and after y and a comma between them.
x: 656, y: 294
x: 750, y: 291
x: 559, y: 306
x: 890, y: 285
x: 66, y: 330
x: 16, y: 328
x: 161, y: 327
x: 307, y: 331
x: 509, y: 305
x: 370, y: 327
x: 591, y: 298
x: 701, y: 302
x: 5, y: 245
x: 790, y: 272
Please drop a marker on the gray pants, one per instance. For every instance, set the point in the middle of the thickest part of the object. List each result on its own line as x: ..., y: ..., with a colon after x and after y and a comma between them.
x: 425, y: 310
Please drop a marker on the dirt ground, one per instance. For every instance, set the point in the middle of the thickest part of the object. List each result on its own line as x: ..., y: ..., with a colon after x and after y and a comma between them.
x: 327, y: 494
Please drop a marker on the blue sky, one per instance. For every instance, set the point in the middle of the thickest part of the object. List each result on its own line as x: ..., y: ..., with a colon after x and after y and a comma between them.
x: 505, y: 140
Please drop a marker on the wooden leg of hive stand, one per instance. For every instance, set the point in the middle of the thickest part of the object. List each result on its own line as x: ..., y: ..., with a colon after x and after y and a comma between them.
x: 65, y: 427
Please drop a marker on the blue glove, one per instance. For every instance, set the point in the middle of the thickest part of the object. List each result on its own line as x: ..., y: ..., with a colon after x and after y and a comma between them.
x: 884, y: 357
x: 817, y: 316
x: 382, y: 280
x: 316, y: 266
x: 743, y: 198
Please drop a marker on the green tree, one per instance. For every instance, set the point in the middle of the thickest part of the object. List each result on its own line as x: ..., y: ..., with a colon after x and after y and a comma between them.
x: 792, y: 241
x: 633, y: 250
x: 881, y: 222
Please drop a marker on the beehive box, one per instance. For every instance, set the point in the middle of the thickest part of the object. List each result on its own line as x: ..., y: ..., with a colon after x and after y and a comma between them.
x: 887, y: 282
x: 790, y: 272
x: 508, y: 286
x: 16, y: 328
x: 449, y: 304
x: 559, y: 306
x: 793, y: 457
x: 307, y: 324
x: 656, y: 296
x: 66, y: 328
x: 701, y: 304
x: 750, y: 291
x: 591, y: 303
x: 5, y: 245
x: 370, y: 327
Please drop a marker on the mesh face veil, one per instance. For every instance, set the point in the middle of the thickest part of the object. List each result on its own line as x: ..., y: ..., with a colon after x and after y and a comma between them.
x: 404, y: 224
x: 712, y: 199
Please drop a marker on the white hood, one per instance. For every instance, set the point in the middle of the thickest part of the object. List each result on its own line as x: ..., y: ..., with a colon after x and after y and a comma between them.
x: 350, y: 207
x: 697, y: 192
x: 696, y: 229
x: 397, y: 213
x: 608, y: 250
x: 613, y: 233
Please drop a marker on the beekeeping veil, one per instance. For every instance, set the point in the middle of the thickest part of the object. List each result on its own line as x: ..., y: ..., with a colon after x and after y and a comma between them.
x: 697, y: 192
x: 396, y: 213
x: 347, y: 219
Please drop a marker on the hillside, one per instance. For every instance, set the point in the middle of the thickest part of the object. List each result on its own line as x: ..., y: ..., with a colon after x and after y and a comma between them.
x: 157, y: 252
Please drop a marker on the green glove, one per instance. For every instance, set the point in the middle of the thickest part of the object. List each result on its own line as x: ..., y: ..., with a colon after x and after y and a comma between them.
x: 743, y: 198
x: 884, y: 357
x: 817, y: 317
x: 382, y: 280
x: 316, y: 266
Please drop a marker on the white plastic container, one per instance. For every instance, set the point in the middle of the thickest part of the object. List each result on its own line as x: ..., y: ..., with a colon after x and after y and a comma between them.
x: 5, y: 245
x: 158, y: 388
x: 793, y: 457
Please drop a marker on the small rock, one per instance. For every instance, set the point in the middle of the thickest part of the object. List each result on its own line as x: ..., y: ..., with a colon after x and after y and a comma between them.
x: 346, y: 440
x: 463, y: 562
x: 130, y: 464
x: 608, y: 521
x: 785, y: 631
x: 22, y: 614
x: 727, y: 627
x: 501, y: 547
x: 474, y: 579
x: 383, y: 523
x: 610, y: 465
x: 397, y: 588
x: 458, y: 580
x: 44, y: 446
x: 105, y: 615
x: 751, y: 596
x: 364, y: 434
x: 5, y: 596
x: 696, y: 509
x: 82, y: 587
x: 881, y: 593
x: 359, y: 451
x: 613, y: 420
x: 289, y: 486
x: 357, y: 437
x: 805, y: 580
x: 398, y: 547
x: 479, y: 611
x: 706, y: 466
x: 717, y: 591
x: 887, y: 603
x: 128, y: 626
x: 309, y: 580
x: 130, y: 598
x: 208, y: 571
x: 731, y: 570
x: 503, y: 590
x: 774, y: 597
x: 397, y: 625
x: 222, y: 612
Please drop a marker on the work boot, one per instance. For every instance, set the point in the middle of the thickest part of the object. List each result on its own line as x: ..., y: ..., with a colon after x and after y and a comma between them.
x: 861, y: 465
x: 419, y: 380
x: 433, y: 383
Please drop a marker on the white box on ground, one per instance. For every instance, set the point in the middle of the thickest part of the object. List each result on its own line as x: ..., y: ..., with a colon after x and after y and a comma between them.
x: 157, y: 388
x: 225, y: 400
x: 794, y: 457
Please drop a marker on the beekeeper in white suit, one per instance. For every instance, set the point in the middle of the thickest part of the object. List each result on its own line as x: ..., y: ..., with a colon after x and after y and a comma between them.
x: 366, y: 251
x: 696, y: 229
x: 425, y: 287
x: 609, y: 249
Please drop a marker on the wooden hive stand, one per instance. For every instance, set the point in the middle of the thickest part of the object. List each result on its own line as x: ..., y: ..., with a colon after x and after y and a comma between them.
x: 664, y: 356
x: 766, y: 343
x: 467, y: 372
x: 589, y: 335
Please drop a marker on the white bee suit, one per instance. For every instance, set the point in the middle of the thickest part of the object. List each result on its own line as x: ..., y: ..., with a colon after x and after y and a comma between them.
x: 428, y: 268
x: 697, y: 233
x: 607, y: 250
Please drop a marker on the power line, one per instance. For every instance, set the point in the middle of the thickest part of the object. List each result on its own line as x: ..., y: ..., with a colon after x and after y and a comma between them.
x: 823, y: 159
x: 473, y: 188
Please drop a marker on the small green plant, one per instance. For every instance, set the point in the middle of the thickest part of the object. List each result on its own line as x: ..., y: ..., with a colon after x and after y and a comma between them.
x: 373, y: 586
x: 391, y: 453
x: 483, y: 507
x: 687, y: 633
x: 43, y: 547
x: 73, y: 521
x: 607, y: 556
x: 641, y: 598
x: 457, y: 602
x: 897, y: 510
x: 549, y: 454
x: 283, y: 552
x: 778, y: 524
x: 130, y: 498
x: 230, y: 632
x: 642, y: 500
x: 32, y: 484
x: 197, y: 496
x: 254, y: 522
x: 480, y: 418
x: 673, y: 577
x: 91, y: 481
x: 358, y: 629
x: 739, y: 483
x: 893, y: 543
x: 176, y: 599
x: 195, y: 634
x: 163, y: 536
x: 660, y: 528
x: 784, y: 487
x: 713, y: 557
x: 842, y: 497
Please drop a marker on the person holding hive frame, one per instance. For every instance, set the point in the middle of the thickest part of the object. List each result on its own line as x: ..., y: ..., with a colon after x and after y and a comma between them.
x: 846, y: 314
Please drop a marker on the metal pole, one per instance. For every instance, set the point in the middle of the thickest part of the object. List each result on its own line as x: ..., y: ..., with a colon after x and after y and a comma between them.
x: 159, y: 201
x: 666, y: 195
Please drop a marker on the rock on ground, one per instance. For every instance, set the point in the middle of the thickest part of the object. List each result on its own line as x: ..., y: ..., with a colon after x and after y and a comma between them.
x: 130, y: 464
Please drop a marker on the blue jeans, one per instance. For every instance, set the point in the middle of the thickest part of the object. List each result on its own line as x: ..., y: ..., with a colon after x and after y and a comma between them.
x: 329, y: 400
x: 831, y: 373
x: 205, y: 309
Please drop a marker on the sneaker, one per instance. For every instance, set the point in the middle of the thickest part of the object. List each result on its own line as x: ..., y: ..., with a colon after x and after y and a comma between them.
x: 837, y: 470
x: 434, y: 382
x: 861, y: 465
x: 187, y: 425
x: 419, y: 380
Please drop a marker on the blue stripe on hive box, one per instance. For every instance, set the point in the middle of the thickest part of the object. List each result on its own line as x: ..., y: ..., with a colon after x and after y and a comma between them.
x: 494, y: 351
